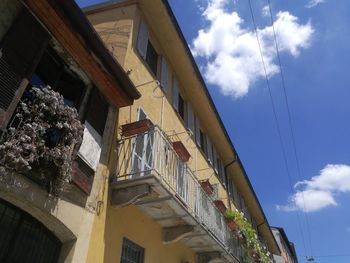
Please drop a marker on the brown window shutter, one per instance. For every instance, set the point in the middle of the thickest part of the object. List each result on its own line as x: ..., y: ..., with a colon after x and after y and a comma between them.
x: 21, y: 49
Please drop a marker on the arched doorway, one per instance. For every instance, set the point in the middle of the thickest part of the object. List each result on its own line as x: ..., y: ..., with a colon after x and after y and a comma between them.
x: 23, y: 239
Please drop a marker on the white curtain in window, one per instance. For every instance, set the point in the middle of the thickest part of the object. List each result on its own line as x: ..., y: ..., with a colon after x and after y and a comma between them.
x: 142, y: 39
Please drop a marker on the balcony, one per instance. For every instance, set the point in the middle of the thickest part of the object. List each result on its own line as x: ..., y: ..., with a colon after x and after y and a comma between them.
x: 152, y: 176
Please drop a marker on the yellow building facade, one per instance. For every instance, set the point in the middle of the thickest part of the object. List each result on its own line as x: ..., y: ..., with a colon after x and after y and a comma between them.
x: 173, y: 164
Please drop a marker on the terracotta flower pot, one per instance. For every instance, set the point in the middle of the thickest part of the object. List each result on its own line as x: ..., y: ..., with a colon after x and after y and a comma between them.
x: 207, y: 187
x: 136, y: 127
x: 231, y: 225
x: 221, y: 206
x: 181, y: 151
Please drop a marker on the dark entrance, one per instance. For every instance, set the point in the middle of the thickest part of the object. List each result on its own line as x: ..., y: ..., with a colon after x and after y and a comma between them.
x: 23, y: 239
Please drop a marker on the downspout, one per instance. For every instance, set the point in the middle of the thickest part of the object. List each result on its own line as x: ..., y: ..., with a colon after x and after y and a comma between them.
x: 226, y: 179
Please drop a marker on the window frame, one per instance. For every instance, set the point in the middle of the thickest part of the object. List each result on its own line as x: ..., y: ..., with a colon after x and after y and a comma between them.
x: 133, y: 245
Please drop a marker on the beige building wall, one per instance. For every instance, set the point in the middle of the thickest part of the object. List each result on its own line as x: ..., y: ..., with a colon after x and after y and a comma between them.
x: 114, y: 224
x: 109, y: 22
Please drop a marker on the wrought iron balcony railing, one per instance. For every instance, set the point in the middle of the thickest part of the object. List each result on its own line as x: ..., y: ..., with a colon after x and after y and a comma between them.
x: 152, y: 154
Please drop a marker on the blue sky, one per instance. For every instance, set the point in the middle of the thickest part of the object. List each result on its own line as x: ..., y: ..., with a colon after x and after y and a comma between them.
x: 314, y: 40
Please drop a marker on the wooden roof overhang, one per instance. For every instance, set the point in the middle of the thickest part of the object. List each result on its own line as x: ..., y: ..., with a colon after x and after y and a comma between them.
x: 69, y: 26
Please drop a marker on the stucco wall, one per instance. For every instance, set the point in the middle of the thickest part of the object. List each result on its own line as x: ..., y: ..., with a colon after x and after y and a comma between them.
x: 113, y: 224
x: 133, y: 224
x: 114, y: 28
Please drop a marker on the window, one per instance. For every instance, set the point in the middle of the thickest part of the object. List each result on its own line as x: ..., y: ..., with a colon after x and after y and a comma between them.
x: 97, y: 112
x: 221, y: 170
x: 175, y: 94
x: 152, y: 58
x: 21, y: 49
x: 29, y: 59
x: 181, y: 107
x: 203, y: 142
x: 25, y: 239
x: 198, y: 132
x: 190, y: 117
x: 164, y: 74
x: 131, y: 252
x: 233, y: 192
x: 209, y: 150
x: 52, y: 71
x: 146, y: 48
x: 216, y: 161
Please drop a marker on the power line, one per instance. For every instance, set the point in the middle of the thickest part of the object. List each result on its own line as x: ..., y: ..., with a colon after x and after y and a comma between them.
x: 275, y: 117
x: 290, y: 121
x: 326, y: 256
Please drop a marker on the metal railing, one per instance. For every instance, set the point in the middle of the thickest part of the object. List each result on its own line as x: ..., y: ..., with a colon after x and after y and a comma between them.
x: 152, y: 153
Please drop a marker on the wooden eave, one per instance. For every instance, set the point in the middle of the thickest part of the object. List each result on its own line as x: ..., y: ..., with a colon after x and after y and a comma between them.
x: 61, y: 29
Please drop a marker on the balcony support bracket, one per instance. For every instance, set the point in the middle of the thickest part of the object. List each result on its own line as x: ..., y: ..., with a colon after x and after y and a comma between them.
x: 208, y: 257
x: 130, y: 195
x: 175, y: 233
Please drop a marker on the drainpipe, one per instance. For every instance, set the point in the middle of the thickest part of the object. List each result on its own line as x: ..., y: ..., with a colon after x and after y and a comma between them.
x: 226, y: 179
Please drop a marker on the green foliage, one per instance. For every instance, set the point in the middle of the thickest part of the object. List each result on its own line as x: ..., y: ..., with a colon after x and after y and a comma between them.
x: 252, y: 241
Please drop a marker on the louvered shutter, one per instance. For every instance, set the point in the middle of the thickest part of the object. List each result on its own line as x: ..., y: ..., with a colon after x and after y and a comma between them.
x: 164, y: 74
x: 21, y: 49
x: 190, y: 117
x: 176, y: 94
x: 142, y: 39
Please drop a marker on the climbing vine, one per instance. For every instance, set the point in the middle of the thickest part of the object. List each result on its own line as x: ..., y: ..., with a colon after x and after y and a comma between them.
x: 42, y: 139
x: 257, y: 251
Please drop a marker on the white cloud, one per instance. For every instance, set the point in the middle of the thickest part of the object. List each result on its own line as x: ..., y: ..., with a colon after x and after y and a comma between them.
x: 320, y: 191
x: 266, y: 11
x: 313, y: 3
x: 233, y: 61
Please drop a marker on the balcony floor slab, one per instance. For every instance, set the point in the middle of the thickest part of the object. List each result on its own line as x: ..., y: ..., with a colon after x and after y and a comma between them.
x: 168, y: 210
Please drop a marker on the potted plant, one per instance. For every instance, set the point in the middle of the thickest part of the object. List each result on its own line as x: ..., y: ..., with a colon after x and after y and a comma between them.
x: 45, y: 141
x: 248, y: 237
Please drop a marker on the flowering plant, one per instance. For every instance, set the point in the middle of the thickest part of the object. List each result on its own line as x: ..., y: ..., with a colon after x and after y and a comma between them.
x: 257, y: 251
x: 44, y: 136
